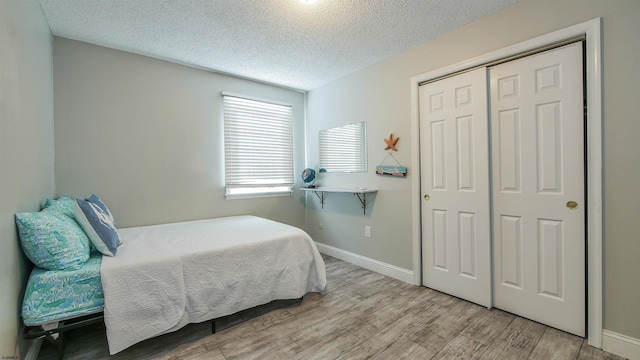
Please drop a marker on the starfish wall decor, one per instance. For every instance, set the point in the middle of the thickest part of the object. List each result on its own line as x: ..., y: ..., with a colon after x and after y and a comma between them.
x: 391, y: 143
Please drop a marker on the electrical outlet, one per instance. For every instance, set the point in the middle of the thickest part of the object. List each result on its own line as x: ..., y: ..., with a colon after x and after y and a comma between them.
x: 320, y: 225
x: 367, y: 231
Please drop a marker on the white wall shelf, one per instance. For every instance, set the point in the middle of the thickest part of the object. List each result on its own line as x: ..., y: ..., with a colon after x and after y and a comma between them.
x: 360, y: 193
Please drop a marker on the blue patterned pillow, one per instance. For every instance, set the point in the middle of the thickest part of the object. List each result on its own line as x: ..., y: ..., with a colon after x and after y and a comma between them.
x: 97, y: 222
x: 63, y: 205
x: 96, y: 200
x: 52, y: 241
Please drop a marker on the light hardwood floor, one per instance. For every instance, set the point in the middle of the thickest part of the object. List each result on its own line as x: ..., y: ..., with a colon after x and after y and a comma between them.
x: 364, y: 315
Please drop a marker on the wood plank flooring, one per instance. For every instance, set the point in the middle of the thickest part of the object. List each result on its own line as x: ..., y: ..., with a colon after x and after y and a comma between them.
x: 365, y: 315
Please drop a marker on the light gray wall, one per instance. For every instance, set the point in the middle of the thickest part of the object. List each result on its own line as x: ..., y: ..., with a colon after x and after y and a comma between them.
x: 381, y: 96
x: 359, y: 97
x: 147, y: 136
x: 26, y: 145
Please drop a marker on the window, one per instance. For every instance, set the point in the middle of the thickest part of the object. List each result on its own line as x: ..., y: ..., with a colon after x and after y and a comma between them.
x: 258, y: 144
x: 344, y: 148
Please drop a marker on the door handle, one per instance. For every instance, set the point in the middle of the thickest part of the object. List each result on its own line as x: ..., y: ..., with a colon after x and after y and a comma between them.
x: 572, y: 205
x: 426, y: 197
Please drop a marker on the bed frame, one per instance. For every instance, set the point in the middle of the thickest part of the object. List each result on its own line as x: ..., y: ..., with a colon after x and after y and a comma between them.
x: 64, y: 326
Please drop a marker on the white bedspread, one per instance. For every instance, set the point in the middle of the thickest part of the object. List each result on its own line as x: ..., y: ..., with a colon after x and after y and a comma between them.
x: 166, y: 276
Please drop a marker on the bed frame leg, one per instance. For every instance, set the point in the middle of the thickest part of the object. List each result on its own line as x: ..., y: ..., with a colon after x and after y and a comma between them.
x: 213, y: 326
x: 59, y: 343
x: 63, y: 339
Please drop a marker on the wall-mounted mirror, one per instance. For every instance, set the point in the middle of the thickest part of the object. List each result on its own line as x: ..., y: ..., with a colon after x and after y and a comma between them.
x: 344, y: 148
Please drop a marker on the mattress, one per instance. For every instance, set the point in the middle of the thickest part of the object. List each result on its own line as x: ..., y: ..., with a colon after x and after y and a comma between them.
x: 54, y: 295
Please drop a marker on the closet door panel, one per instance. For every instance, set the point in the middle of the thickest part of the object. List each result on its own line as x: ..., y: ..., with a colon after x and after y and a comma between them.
x: 537, y: 126
x: 467, y: 244
x: 508, y: 147
x: 466, y: 163
x: 438, y: 141
x: 549, y: 146
x: 510, y: 245
x: 455, y: 185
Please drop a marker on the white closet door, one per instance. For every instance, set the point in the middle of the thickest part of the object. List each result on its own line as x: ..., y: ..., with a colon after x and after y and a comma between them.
x: 455, y: 185
x: 538, y: 187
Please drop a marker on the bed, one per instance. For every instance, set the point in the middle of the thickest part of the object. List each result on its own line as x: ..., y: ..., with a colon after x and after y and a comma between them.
x: 166, y: 276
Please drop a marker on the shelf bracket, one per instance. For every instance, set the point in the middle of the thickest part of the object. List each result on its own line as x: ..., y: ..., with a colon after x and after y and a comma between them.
x: 363, y: 201
x: 320, y: 197
x: 360, y: 193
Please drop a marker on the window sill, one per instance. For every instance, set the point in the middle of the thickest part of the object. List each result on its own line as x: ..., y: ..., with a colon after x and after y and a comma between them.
x: 261, y: 194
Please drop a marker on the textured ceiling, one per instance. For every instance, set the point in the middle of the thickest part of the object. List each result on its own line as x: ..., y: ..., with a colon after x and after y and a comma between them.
x: 283, y: 42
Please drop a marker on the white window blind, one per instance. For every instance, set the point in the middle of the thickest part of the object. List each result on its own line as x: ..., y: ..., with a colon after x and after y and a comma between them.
x: 258, y: 142
x: 344, y: 148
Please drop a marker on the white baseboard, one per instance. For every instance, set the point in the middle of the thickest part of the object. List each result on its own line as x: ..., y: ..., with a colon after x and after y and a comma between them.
x: 621, y: 345
x: 367, y: 263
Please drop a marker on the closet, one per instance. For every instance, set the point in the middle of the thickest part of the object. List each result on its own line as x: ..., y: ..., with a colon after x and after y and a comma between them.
x: 503, y: 183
